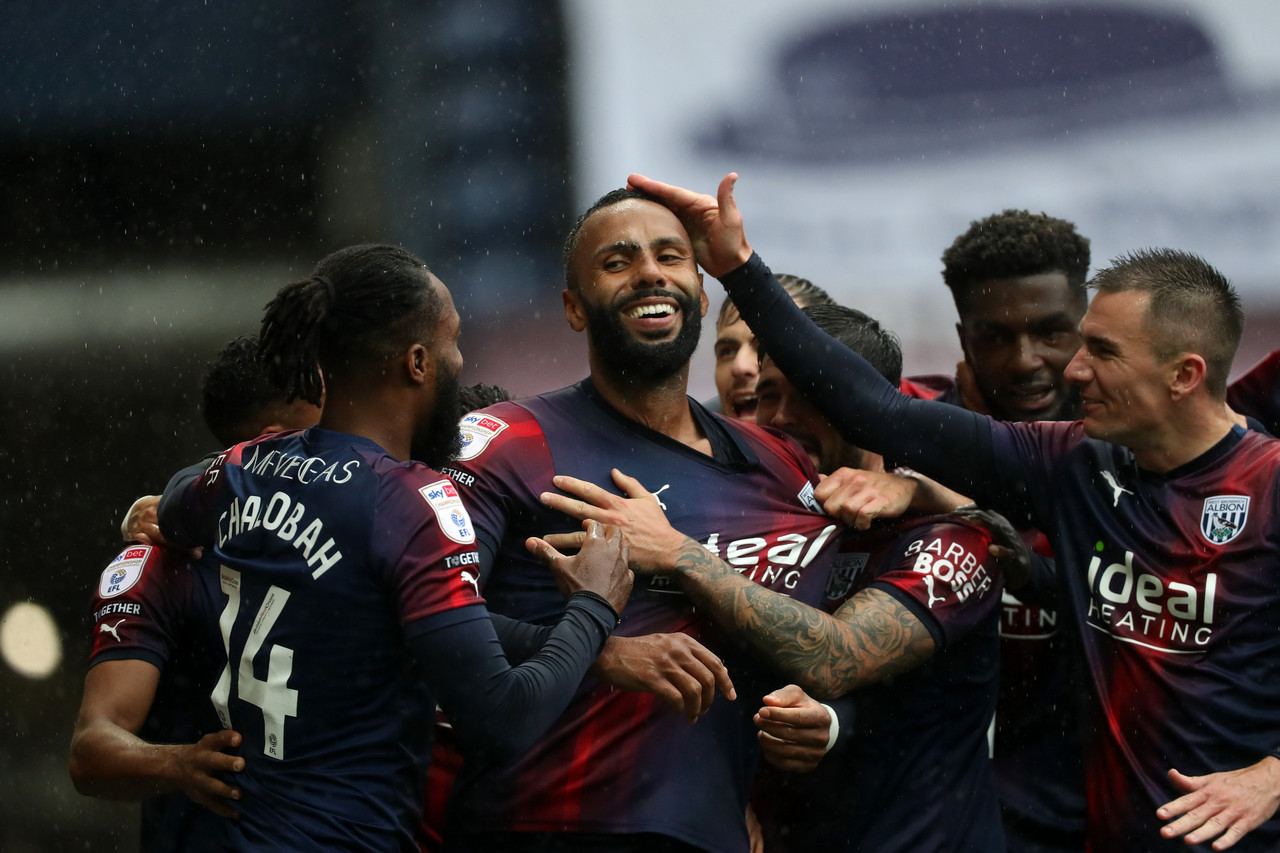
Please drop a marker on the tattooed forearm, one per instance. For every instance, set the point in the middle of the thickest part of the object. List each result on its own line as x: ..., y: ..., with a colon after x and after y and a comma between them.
x: 871, y: 637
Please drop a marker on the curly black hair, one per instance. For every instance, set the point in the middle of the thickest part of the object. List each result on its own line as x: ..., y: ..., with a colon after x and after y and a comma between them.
x: 235, y: 389
x: 1015, y: 244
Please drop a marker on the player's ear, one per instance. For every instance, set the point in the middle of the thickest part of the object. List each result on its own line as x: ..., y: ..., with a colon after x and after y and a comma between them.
x: 1186, y: 373
x: 418, y: 364
x: 573, y: 311
x: 705, y: 301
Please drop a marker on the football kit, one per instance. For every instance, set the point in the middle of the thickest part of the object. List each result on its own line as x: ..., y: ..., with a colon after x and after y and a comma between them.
x: 1170, y: 578
x: 914, y: 773
x: 1037, y: 751
x: 619, y: 762
x: 151, y: 605
x: 349, y: 604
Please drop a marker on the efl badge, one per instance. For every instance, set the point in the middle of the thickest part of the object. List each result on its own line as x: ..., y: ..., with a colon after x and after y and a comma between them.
x: 450, y: 513
x: 1223, y: 518
x: 477, y: 431
x: 124, y: 571
x: 843, y: 574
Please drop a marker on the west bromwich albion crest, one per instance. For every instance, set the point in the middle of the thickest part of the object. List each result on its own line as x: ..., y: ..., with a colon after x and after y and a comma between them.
x: 1223, y: 518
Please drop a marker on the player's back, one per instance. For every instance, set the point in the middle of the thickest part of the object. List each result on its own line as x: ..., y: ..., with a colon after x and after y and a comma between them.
x: 314, y: 531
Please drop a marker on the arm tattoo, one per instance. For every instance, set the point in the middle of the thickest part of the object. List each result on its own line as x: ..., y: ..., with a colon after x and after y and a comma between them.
x: 871, y: 637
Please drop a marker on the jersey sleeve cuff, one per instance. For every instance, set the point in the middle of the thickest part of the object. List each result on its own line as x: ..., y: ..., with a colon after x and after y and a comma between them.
x: 927, y: 619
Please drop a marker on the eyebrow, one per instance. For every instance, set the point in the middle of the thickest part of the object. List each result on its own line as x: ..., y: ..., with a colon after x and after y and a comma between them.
x: 617, y: 246
x: 632, y: 246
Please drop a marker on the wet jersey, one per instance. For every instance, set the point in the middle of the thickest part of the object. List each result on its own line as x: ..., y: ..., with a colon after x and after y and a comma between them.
x: 1171, y: 578
x: 150, y: 605
x: 620, y: 762
x: 332, y: 554
x: 915, y: 773
x: 1037, y: 753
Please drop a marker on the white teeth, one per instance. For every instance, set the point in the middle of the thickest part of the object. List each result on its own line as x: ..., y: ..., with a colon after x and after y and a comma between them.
x: 650, y: 311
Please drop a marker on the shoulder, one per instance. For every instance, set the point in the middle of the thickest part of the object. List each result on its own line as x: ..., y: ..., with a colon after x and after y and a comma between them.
x: 930, y: 387
x: 138, y: 569
x: 771, y: 444
x: 490, y: 431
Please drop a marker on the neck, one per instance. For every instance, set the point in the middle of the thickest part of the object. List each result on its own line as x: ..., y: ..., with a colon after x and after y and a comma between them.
x: 660, y: 405
x: 371, y: 416
x: 1186, y: 436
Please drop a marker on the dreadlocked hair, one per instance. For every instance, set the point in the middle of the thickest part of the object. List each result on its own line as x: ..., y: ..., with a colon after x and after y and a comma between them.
x: 362, y: 304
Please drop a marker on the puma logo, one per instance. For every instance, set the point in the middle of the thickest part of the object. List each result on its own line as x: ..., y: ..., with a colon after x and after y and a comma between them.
x: 928, y: 582
x: 104, y: 628
x: 473, y: 580
x: 1116, y: 488
x: 658, y: 499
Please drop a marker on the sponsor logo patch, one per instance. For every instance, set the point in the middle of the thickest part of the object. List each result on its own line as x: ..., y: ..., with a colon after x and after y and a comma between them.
x: 1223, y: 518
x: 442, y: 497
x: 124, y: 571
x: 477, y: 431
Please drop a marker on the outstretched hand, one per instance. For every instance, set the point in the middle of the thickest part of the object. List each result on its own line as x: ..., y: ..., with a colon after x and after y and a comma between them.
x: 714, y: 224
x: 1222, y: 806
x: 600, y: 566
x: 651, y: 540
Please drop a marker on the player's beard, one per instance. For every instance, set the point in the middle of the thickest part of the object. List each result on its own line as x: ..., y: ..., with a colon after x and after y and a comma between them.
x: 635, y: 360
x: 439, y: 442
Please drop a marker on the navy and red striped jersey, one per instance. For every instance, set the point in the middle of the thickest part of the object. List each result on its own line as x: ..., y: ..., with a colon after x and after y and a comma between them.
x: 1257, y: 393
x: 916, y: 773
x: 150, y: 605
x: 332, y: 555
x: 620, y: 762
x: 1174, y: 581
x: 1038, y: 764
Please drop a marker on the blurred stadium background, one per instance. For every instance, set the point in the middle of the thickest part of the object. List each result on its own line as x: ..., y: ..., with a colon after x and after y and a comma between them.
x: 167, y: 166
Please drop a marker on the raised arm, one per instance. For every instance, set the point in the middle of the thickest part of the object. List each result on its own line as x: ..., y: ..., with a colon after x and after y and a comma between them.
x: 944, y: 442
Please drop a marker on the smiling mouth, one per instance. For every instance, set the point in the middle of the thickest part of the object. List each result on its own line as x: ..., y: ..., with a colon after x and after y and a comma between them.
x: 744, y: 408
x: 640, y: 312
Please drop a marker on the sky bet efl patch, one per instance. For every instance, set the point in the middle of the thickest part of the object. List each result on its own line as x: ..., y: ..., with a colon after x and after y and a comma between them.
x: 124, y: 571
x: 477, y: 431
x: 450, y: 513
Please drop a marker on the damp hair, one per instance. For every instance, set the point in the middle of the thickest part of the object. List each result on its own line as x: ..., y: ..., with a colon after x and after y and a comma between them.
x: 361, y: 305
x: 1193, y: 307
x: 235, y: 390
x: 860, y: 333
x: 803, y: 292
x: 609, y: 199
x: 481, y: 396
x: 1015, y: 244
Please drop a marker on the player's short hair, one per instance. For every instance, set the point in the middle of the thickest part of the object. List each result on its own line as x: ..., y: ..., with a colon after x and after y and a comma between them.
x: 860, y: 333
x: 362, y: 304
x: 1193, y: 307
x: 235, y: 390
x: 803, y: 291
x: 1015, y: 244
x: 609, y: 199
x: 481, y: 396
